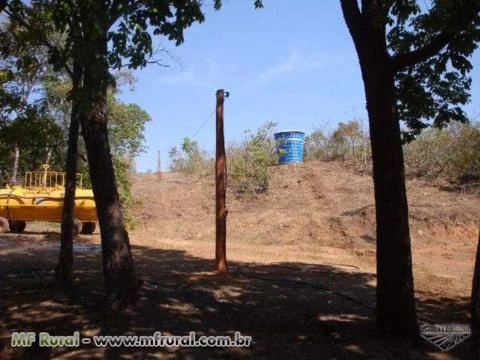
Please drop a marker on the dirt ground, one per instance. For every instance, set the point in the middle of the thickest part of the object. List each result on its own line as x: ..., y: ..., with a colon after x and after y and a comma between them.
x: 301, y: 261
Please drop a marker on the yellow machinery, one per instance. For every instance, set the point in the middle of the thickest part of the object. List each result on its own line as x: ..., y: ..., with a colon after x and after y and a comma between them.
x: 41, y: 199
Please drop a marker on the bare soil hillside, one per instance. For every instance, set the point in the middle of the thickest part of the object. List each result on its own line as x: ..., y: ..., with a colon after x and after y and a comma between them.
x: 316, y: 211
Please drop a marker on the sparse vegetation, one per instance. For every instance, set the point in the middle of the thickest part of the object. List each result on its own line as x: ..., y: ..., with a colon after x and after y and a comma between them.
x: 190, y: 158
x: 349, y: 141
x: 247, y: 162
x: 452, y: 153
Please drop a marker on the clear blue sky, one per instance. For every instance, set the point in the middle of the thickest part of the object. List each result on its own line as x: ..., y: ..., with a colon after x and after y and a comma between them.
x: 291, y: 62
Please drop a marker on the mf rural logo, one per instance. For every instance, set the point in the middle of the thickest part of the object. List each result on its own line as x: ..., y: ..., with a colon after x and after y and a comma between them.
x: 447, y: 336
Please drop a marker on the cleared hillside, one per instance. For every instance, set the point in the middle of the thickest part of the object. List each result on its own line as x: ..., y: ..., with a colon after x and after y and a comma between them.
x: 315, y: 212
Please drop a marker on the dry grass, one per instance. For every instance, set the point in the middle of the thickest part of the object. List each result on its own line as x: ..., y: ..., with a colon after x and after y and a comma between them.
x: 315, y: 212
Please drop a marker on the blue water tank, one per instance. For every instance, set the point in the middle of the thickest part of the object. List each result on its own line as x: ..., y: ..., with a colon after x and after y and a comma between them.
x: 290, y: 146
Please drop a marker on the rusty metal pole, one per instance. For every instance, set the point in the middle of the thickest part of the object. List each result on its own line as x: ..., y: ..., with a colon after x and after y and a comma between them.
x: 220, y: 189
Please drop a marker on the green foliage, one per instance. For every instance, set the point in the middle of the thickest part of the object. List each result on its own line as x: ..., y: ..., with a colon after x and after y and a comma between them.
x: 26, y: 124
x: 41, y: 133
x: 217, y: 4
x: 39, y: 139
x: 432, y: 89
x: 10, y: 99
x: 190, y: 158
x: 126, y: 128
x: 23, y: 66
x: 128, y: 26
x: 132, y: 42
x: 452, y: 153
x: 124, y: 167
x: 248, y: 163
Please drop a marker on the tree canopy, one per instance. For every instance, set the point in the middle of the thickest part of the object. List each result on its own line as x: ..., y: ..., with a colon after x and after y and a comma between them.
x: 431, y: 48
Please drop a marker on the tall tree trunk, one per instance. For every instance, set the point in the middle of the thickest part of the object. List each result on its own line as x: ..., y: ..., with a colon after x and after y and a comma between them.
x: 118, y: 267
x: 396, y: 312
x: 475, y: 305
x: 64, y: 269
x: 16, y: 160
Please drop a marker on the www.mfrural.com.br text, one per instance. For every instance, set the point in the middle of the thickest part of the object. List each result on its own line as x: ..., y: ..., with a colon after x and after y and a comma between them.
x: 157, y: 339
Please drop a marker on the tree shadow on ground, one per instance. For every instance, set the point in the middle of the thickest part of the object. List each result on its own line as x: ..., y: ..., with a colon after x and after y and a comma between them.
x: 291, y: 310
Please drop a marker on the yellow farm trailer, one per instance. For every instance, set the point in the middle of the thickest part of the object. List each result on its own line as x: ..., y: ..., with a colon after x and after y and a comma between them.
x: 41, y: 199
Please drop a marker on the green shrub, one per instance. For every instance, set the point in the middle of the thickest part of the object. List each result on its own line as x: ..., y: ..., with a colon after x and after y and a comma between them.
x: 248, y: 162
x: 190, y: 159
x: 124, y: 168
